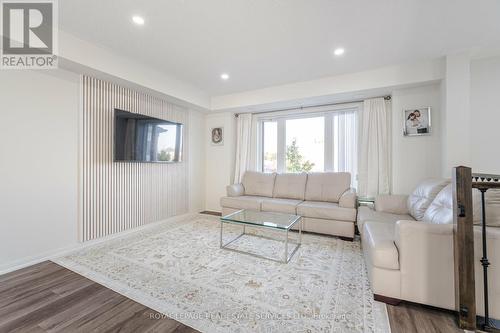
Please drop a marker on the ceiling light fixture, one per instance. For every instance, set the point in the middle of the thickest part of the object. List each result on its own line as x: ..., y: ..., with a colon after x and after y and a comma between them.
x: 138, y: 20
x: 339, y: 51
x: 224, y: 76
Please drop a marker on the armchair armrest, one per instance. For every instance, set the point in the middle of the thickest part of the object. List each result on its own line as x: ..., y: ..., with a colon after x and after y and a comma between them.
x: 394, y: 204
x: 426, y: 262
x: 235, y: 190
x: 348, y: 199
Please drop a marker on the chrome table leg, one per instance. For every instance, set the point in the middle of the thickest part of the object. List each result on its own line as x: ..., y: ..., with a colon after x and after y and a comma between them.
x: 221, y: 223
x: 301, y: 225
x: 286, y: 248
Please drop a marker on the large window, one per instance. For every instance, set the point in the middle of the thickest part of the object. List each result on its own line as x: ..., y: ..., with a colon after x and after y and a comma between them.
x: 325, y: 141
x: 270, y: 146
x: 305, y: 144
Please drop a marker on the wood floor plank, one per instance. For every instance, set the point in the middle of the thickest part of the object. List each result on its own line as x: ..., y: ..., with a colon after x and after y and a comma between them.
x: 93, y: 318
x: 142, y: 322
x: 27, y: 274
x: 73, y: 314
x: 32, y: 289
x: 25, y: 304
x: 165, y: 324
x: 29, y: 270
x: 114, y: 318
x: 49, y: 298
x: 43, y: 281
x: 416, y: 318
x: 72, y: 285
x: 26, y: 319
x: 34, y: 329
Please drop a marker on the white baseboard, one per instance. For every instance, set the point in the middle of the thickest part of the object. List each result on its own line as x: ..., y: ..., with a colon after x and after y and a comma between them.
x: 33, y: 260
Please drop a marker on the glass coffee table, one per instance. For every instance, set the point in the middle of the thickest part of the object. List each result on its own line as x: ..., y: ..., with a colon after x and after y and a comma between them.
x: 263, y: 220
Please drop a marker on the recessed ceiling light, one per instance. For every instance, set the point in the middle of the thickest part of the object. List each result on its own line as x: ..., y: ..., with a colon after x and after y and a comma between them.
x: 138, y: 20
x: 339, y: 51
x: 224, y: 76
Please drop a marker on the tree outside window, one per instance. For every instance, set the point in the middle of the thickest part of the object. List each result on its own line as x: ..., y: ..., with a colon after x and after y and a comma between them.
x: 295, y: 161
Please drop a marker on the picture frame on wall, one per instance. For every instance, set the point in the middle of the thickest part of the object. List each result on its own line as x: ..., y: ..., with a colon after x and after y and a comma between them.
x: 417, y: 121
x: 217, y: 136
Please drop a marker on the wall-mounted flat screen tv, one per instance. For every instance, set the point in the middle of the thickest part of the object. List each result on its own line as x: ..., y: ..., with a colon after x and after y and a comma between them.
x: 140, y: 138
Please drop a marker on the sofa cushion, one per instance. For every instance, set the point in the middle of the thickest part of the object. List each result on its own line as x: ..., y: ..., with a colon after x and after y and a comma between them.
x: 242, y: 202
x: 423, y: 195
x: 326, y: 210
x: 280, y: 205
x: 235, y: 190
x: 440, y: 210
x: 259, y: 183
x: 366, y: 214
x: 327, y: 186
x: 392, y: 203
x: 378, y: 240
x: 349, y: 199
x: 290, y: 186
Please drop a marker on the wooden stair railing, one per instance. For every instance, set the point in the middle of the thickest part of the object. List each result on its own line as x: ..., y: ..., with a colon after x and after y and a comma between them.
x: 484, y: 182
x: 463, y: 244
x: 463, y: 182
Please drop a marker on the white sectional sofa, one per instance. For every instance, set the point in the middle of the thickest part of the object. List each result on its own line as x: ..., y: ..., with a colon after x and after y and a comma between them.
x: 408, y: 248
x: 324, y: 200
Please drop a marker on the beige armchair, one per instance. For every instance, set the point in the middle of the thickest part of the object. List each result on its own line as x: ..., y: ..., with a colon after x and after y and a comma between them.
x: 408, y: 247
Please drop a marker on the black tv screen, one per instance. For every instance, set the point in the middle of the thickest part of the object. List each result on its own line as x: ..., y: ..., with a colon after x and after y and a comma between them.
x: 140, y: 138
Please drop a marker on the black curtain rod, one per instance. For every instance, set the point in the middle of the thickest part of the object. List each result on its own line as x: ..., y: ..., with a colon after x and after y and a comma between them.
x: 387, y: 98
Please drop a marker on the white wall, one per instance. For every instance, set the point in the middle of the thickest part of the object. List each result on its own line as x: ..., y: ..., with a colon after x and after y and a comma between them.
x: 386, y: 77
x: 485, y: 115
x: 219, y: 160
x: 38, y: 164
x: 456, y: 140
x: 415, y: 158
x: 82, y: 56
x: 146, y: 193
x: 197, y: 141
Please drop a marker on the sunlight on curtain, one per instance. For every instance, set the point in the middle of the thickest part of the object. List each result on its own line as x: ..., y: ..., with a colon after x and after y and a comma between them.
x: 374, y: 158
x: 243, y: 146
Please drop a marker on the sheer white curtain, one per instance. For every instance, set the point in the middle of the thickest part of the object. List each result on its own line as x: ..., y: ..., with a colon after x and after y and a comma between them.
x: 374, y: 166
x: 244, y: 145
x: 345, y: 143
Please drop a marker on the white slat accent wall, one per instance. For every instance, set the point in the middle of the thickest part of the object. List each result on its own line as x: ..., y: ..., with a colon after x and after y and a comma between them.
x: 116, y: 196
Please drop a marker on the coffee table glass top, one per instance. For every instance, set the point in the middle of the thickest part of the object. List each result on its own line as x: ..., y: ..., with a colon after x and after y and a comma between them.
x: 264, y: 219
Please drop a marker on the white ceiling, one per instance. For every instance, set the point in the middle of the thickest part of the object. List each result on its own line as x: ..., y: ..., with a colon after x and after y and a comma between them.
x: 262, y: 43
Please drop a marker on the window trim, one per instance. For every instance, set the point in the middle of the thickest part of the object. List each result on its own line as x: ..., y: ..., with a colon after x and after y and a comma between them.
x: 260, y: 146
x: 280, y: 117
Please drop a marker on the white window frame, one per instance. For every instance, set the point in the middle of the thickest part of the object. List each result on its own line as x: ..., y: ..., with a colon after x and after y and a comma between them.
x: 280, y: 117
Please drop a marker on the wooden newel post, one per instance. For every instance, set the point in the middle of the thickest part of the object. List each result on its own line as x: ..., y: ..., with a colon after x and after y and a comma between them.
x: 463, y: 228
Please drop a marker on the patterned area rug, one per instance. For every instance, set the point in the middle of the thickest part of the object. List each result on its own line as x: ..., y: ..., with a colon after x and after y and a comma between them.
x: 178, y: 269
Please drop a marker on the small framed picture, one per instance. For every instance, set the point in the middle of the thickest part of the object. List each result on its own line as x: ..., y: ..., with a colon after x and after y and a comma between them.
x: 217, y: 136
x: 417, y: 121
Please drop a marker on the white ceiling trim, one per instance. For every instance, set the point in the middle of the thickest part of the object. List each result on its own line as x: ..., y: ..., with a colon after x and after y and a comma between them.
x: 84, y: 57
x: 378, y: 80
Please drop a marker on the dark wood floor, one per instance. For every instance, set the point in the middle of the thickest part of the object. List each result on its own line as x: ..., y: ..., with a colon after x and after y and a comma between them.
x: 409, y: 317
x: 49, y: 298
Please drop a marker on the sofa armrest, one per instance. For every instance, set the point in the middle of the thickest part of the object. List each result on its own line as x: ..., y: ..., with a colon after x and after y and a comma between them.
x: 426, y: 262
x: 394, y: 204
x: 348, y: 199
x: 235, y: 190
